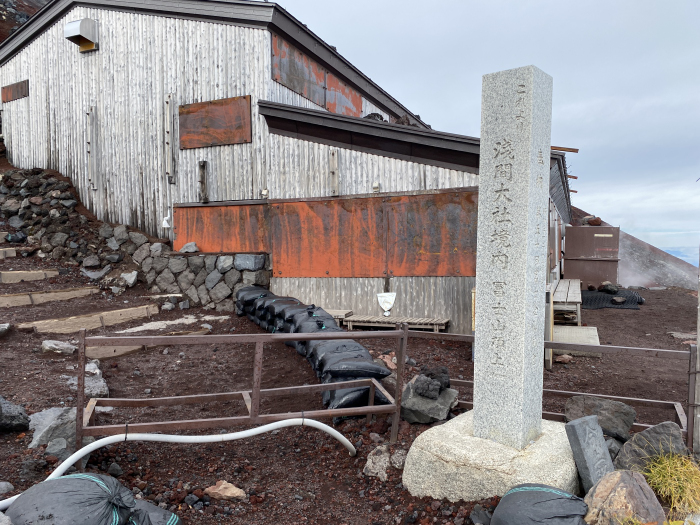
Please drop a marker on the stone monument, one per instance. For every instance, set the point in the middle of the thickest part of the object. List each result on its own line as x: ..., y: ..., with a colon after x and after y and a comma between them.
x: 503, y: 441
x: 590, y: 451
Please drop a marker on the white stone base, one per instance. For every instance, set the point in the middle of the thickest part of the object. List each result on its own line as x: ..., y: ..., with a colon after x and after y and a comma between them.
x: 447, y: 461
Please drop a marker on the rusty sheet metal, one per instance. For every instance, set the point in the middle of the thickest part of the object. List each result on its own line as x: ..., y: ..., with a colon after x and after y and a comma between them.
x: 432, y: 235
x: 329, y: 238
x: 15, y: 91
x: 215, y: 123
x: 341, y: 98
x: 297, y: 71
x: 239, y: 229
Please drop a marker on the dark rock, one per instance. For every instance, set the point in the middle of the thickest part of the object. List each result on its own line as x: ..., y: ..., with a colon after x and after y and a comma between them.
x: 115, y: 470
x: 121, y: 235
x: 33, y: 469
x: 615, y: 418
x: 160, y: 264
x: 440, y: 374
x: 614, y: 447
x: 232, y: 277
x: 196, y: 264
x: 185, y: 279
x: 177, y: 264
x: 69, y: 203
x: 249, y: 262
x: 426, y: 387
x: 212, y: 279
x: 259, y: 277
x: 106, y: 231
x: 138, y: 239
x: 219, y: 292
x: 418, y: 409
x: 142, y: 253
x: 114, y: 257
x: 16, y: 222
x: 190, y: 247
x: 608, y: 287
x: 129, y: 247
x: 13, y: 418
x: 16, y: 238
x: 97, y: 274
x: 590, y: 452
x: 191, y: 499
x: 661, y: 439
x: 91, y: 261
x: 623, y: 495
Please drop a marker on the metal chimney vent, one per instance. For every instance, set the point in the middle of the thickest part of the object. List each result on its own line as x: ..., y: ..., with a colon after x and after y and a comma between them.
x: 82, y: 33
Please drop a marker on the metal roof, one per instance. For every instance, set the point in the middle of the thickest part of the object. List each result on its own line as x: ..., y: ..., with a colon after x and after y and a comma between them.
x: 241, y: 12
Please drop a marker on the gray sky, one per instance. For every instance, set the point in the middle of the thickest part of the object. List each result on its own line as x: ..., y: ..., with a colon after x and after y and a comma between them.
x: 626, y: 88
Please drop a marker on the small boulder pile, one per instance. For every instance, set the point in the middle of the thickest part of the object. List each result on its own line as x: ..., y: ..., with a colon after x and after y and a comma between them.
x: 428, y: 397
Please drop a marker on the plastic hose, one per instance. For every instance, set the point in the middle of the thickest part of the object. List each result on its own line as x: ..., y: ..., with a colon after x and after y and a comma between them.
x: 170, y: 438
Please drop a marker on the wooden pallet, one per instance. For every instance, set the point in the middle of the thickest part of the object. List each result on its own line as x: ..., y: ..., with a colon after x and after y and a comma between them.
x: 567, y: 298
x: 339, y: 315
x: 587, y: 335
x: 426, y: 323
x: 33, y: 298
x: 18, y: 277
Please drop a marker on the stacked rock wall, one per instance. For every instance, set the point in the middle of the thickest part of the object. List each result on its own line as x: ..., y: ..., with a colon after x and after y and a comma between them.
x: 204, y: 279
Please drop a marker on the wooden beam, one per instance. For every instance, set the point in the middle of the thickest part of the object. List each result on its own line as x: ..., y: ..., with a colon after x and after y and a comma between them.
x: 18, y: 277
x: 569, y: 150
x: 573, y: 191
x: 572, y: 176
x: 33, y: 298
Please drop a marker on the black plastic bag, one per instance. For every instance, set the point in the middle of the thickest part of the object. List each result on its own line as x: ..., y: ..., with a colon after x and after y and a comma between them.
x: 312, y: 327
x: 350, y: 397
x: 312, y: 313
x: 250, y: 293
x: 77, y: 499
x: 239, y: 308
x: 155, y: 515
x: 353, y: 366
x: 278, y: 308
x: 533, y: 504
x: 264, y: 305
x: 317, y: 349
x: 16, y: 238
x: 291, y: 311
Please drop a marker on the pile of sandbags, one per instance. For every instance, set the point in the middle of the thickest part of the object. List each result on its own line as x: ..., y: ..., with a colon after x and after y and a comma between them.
x: 334, y: 361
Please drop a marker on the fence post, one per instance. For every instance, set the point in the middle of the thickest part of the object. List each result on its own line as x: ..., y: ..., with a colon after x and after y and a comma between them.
x: 400, y: 361
x: 548, y: 329
x: 693, y: 439
x: 257, y: 379
x: 80, y: 397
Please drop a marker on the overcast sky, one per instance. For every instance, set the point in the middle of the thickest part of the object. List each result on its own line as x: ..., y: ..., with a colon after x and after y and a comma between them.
x: 626, y: 88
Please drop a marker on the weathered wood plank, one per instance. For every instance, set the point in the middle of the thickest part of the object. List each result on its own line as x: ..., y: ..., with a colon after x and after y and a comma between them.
x: 69, y: 325
x: 26, y: 299
x: 7, y: 252
x: 105, y: 352
x: 19, y: 276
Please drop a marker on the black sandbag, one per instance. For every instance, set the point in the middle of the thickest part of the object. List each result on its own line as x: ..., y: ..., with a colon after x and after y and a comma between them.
x: 268, y: 301
x: 534, y: 504
x: 77, y: 499
x: 291, y: 311
x: 249, y: 294
x: 239, y: 308
x: 156, y: 515
x: 338, y: 365
x: 351, y: 397
x: 278, y: 323
x: 249, y: 309
x: 315, y: 350
x: 287, y: 328
x: 263, y: 324
x: 279, y: 307
x: 251, y: 317
x: 301, y: 345
x: 312, y: 327
x: 310, y: 314
x: 257, y: 303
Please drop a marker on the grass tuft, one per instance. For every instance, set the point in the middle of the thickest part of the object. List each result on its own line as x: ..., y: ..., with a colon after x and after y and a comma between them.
x: 676, y: 480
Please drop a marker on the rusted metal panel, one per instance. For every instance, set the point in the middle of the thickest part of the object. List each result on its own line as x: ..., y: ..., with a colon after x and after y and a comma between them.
x: 15, y: 91
x: 232, y: 229
x: 341, y: 98
x: 216, y: 123
x: 329, y: 238
x: 432, y: 235
x: 297, y: 71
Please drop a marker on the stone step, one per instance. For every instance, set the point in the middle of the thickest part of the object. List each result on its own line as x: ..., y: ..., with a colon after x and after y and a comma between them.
x: 19, y: 276
x: 34, y: 298
x: 7, y: 252
x: 71, y: 325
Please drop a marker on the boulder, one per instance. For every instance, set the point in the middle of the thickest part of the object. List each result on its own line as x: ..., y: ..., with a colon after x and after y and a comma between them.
x: 191, y: 292
x: 114, y: 257
x: 165, y: 280
x: 4, y: 520
x: 377, y: 462
x: 203, y: 294
x: 210, y: 262
x: 232, y: 277
x: 259, y: 277
x: 225, y: 491
x: 58, y: 239
x: 250, y: 262
x: 219, y: 292
x: 13, y: 418
x: 121, y: 235
x: 105, y: 231
x: 60, y: 347
x: 185, y: 279
x: 177, y: 264
x: 160, y: 263
x: 158, y: 249
x: 190, y: 247
x: 130, y: 278
x: 589, y: 449
x: 615, y: 418
x: 96, y: 274
x: 623, y: 495
x: 201, y: 277
x: 91, y: 261
x: 224, y: 263
x: 213, y: 279
x: 614, y: 447
x: 196, y: 264
x: 418, y: 409
x: 5, y: 487
x: 141, y: 254
x: 426, y: 387
x: 147, y: 264
x: 113, y: 243
x: 95, y: 386
x: 661, y: 439
x: 138, y: 239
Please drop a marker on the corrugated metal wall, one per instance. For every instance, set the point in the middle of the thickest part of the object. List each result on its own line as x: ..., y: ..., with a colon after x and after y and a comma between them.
x: 301, y: 169
x: 445, y: 297
x: 141, y: 61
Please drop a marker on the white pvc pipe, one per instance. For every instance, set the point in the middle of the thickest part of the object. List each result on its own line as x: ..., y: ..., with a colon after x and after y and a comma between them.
x: 171, y: 438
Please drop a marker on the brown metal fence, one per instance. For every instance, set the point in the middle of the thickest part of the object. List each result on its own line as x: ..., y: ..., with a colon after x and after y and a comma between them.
x: 84, y: 424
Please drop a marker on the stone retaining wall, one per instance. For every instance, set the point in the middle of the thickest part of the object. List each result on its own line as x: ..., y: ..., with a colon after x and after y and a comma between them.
x: 208, y: 280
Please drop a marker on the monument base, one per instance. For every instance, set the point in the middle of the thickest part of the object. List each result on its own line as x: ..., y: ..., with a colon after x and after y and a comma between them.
x: 447, y: 461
